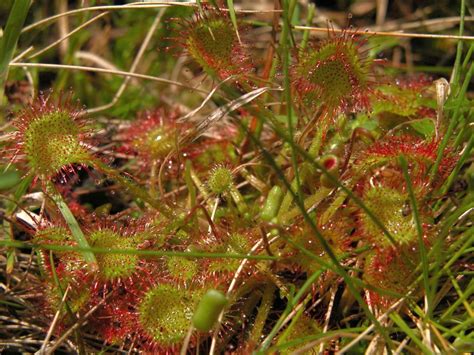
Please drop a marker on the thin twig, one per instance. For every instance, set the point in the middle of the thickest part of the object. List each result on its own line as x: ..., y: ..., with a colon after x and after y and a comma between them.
x: 385, y: 34
x: 328, y: 315
x: 136, y: 5
x: 53, y: 323
x: 231, y: 288
x: 205, y: 101
x: 372, y: 326
x: 401, y: 346
x: 446, y: 21
x: 137, y: 59
x: 63, y: 26
x: 94, y: 58
x: 107, y: 71
x: 185, y: 346
x: 75, y: 326
x: 60, y: 40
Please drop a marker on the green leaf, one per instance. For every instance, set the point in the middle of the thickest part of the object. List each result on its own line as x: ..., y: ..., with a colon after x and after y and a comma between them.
x: 425, y: 127
x: 8, y: 42
x: 233, y: 17
x: 408, y: 331
x: 9, y: 179
x: 73, y: 225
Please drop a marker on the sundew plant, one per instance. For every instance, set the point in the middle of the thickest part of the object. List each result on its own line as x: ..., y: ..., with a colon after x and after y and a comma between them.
x: 273, y: 177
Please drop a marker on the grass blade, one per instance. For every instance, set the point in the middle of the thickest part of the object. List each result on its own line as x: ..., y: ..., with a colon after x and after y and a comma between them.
x: 140, y: 252
x: 419, y: 229
x: 73, y: 225
x: 408, y: 331
x: 8, y: 42
x: 233, y: 18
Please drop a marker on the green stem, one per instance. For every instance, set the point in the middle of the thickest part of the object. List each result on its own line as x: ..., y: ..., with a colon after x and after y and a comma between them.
x: 309, y: 20
x: 287, y: 331
x: 288, y: 6
x: 464, y: 157
x: 337, y: 266
x: 201, y: 187
x: 408, y: 331
x: 72, y: 224
x: 419, y: 229
x: 292, y: 303
x: 462, y: 132
x: 139, y: 252
x: 10, y: 208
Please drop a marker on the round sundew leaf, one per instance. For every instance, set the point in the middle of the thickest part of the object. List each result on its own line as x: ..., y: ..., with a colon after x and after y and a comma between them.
x: 210, y: 43
x: 215, y: 38
x: 165, y: 313
x: 211, y: 40
x: 182, y: 268
x: 334, y: 74
x: 220, y: 180
x: 391, y: 207
x: 158, y: 142
x: 114, y: 265
x: 52, y: 142
x: 391, y: 270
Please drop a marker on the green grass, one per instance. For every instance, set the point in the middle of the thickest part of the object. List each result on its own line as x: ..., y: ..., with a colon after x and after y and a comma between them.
x: 293, y: 266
